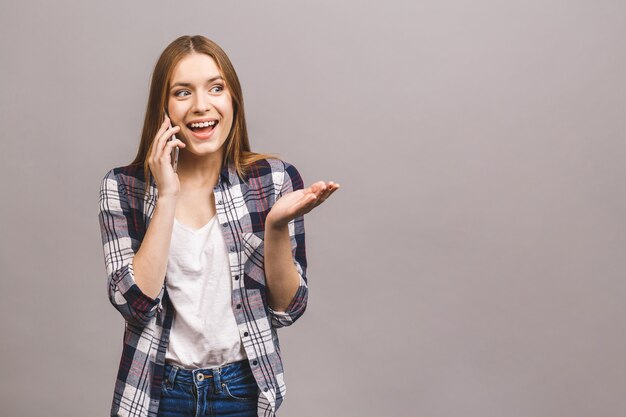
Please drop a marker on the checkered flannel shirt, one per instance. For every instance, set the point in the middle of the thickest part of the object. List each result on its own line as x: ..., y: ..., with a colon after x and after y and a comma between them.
x: 242, y: 207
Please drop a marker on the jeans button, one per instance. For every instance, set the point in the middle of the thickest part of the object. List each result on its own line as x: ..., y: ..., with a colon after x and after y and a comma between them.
x: 200, y: 377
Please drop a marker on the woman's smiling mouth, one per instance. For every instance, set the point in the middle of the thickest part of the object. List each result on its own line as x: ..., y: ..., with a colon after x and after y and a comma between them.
x: 202, y: 129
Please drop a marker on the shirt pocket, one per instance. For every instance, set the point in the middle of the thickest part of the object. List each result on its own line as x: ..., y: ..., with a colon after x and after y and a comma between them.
x: 253, y: 256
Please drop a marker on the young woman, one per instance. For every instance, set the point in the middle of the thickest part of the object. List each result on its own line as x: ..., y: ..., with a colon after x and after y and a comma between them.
x: 206, y: 262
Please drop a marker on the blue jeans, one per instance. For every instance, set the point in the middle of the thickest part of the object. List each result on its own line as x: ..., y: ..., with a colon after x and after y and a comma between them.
x: 227, y: 391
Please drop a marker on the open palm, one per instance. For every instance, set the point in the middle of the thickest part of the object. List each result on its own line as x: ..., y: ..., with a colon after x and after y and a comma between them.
x: 300, y: 202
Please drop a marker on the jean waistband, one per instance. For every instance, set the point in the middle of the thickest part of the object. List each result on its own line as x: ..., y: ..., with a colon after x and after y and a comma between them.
x: 230, y: 372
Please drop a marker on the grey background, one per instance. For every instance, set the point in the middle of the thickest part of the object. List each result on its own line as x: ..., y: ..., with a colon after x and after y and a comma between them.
x: 471, y: 265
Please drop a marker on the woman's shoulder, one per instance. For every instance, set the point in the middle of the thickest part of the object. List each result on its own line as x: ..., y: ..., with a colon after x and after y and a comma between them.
x: 127, y: 170
x: 280, y: 173
x: 271, y: 166
x: 126, y: 176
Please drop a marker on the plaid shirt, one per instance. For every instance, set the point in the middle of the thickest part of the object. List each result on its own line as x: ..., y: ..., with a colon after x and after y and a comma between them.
x: 242, y: 207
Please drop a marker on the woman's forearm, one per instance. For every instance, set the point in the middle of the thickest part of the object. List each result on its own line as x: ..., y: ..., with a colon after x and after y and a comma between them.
x: 281, y: 277
x: 150, y: 261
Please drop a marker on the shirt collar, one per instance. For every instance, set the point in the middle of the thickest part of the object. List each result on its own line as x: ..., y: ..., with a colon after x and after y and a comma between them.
x: 229, y: 173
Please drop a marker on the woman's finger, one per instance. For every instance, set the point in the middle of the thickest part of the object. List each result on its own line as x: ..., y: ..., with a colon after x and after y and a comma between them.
x: 327, y: 193
x: 159, y: 134
x: 165, y: 136
x: 169, y: 146
x: 161, y: 145
x: 327, y: 188
x: 177, y: 142
x: 316, y: 188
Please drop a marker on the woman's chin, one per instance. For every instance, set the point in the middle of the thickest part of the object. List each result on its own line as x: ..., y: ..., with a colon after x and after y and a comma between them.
x: 203, y: 149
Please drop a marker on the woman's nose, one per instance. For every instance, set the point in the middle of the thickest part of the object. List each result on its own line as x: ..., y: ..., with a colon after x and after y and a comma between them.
x: 201, y: 103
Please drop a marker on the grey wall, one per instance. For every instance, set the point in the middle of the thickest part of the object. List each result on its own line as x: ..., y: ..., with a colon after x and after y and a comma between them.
x: 473, y: 262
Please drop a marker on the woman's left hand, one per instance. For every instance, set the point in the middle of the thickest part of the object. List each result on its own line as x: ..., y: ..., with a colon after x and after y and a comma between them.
x: 299, y: 202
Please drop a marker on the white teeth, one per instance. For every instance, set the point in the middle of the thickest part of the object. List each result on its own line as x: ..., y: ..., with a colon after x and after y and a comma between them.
x: 204, y: 124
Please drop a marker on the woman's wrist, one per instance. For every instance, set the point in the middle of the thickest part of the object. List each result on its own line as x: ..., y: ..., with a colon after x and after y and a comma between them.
x: 167, y: 199
x: 274, y: 225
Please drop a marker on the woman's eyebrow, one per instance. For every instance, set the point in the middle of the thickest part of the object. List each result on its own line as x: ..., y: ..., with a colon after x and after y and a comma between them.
x: 184, y: 84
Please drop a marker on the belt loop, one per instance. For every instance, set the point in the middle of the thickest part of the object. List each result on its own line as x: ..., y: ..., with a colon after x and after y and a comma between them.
x: 172, y: 377
x: 217, y: 380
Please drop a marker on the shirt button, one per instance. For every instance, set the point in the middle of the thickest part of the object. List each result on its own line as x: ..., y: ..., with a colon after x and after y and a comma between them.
x: 225, y: 225
x: 254, y: 362
x: 238, y: 305
x: 232, y: 248
x: 236, y: 277
x: 265, y: 389
x: 219, y: 202
x: 245, y: 334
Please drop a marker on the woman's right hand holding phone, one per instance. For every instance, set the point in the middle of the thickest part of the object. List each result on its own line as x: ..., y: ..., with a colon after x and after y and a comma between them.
x: 150, y: 261
x: 160, y: 161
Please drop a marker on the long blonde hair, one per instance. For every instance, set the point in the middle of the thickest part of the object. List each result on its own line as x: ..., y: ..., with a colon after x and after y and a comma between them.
x: 237, y: 144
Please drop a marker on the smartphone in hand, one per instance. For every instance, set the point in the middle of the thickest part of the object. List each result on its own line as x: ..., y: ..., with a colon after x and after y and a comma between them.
x: 175, y: 150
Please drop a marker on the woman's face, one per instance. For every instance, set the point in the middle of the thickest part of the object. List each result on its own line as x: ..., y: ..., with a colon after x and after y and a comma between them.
x: 200, y: 103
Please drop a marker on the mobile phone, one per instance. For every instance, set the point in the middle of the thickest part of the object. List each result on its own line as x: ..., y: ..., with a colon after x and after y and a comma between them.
x: 174, y: 154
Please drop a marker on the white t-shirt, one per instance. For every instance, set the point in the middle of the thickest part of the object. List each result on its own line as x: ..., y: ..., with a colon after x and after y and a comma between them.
x: 204, y: 333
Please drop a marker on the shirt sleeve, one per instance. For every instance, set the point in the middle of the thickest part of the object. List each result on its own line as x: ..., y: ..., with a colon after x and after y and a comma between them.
x: 120, y: 243
x: 293, y: 181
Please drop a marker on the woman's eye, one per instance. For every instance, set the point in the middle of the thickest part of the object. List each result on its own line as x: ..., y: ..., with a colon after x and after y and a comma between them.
x: 181, y: 93
x: 216, y: 89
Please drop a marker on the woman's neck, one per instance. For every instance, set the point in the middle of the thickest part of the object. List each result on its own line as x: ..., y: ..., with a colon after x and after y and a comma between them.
x: 199, y: 171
